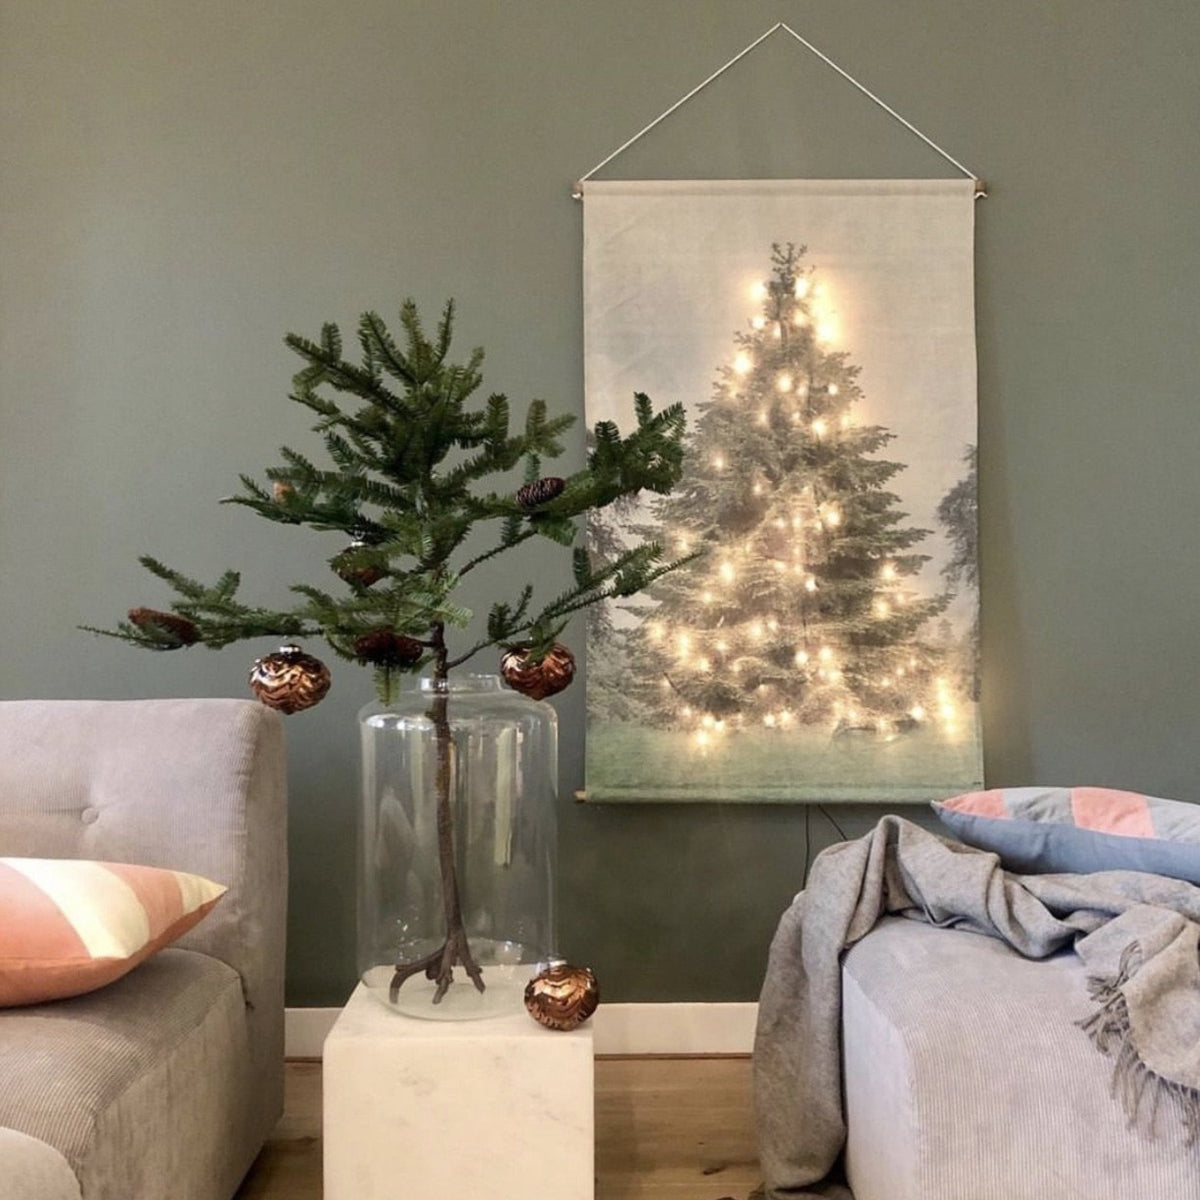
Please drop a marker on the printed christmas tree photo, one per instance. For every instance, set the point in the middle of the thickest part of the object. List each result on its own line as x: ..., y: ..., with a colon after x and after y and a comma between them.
x: 809, y: 650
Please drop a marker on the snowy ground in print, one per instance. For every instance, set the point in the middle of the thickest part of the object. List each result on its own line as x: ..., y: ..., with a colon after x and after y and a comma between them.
x: 772, y: 766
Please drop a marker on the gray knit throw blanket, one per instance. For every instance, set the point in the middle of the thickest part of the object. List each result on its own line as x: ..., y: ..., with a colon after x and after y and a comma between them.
x: 1136, y: 935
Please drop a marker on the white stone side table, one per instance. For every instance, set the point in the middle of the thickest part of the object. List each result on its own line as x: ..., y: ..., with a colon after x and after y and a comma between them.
x: 496, y: 1108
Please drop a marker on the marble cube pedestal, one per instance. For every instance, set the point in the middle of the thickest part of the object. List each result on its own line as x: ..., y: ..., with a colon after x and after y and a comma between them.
x: 442, y: 1110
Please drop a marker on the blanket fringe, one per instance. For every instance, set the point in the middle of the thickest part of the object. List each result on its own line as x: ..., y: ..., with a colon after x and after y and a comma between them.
x: 1134, y: 1083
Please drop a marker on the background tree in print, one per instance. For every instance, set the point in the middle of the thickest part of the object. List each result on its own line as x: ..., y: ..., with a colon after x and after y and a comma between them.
x: 803, y: 607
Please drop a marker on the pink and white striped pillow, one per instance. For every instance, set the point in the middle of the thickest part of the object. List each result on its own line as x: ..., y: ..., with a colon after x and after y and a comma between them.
x: 68, y: 926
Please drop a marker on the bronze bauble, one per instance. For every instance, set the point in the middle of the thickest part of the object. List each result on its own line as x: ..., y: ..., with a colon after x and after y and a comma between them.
x: 289, y: 680
x: 541, y: 679
x: 356, y: 568
x: 562, y: 996
x: 178, y: 629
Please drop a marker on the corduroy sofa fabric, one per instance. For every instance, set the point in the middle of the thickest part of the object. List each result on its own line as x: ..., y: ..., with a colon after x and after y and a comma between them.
x: 165, y: 1083
x: 966, y: 1078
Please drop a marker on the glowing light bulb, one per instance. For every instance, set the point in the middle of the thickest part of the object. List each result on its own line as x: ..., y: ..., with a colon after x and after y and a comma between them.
x: 882, y: 608
x: 826, y: 331
x: 706, y: 597
x: 719, y: 726
x: 917, y: 712
x: 762, y: 416
x: 756, y: 630
x: 743, y: 364
x: 783, y: 382
x: 683, y: 643
x: 759, y: 323
x: 757, y: 489
x: 718, y: 462
x: 701, y: 737
x: 682, y: 544
x: 802, y: 288
x: 825, y: 654
x: 819, y: 428
x: 833, y: 517
x: 769, y: 720
x: 655, y: 631
x: 773, y: 625
x: 799, y: 319
x: 686, y: 710
x: 888, y: 571
x: 722, y: 646
x: 801, y: 658
x: 758, y: 290
x: 727, y: 572
x: 832, y: 389
x: 702, y: 664
x: 810, y: 584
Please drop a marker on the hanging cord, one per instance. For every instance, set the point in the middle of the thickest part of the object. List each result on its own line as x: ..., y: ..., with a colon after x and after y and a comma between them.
x: 980, y: 186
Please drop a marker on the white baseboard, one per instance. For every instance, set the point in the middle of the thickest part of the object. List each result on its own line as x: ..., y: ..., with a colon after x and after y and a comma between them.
x: 616, y: 1029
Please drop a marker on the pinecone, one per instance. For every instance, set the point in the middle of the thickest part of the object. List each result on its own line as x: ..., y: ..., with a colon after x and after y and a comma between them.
x: 541, y: 679
x: 167, y: 625
x: 540, y: 491
x: 386, y: 648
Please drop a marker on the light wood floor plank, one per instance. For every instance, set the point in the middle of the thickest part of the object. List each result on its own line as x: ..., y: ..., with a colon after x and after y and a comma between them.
x: 666, y: 1129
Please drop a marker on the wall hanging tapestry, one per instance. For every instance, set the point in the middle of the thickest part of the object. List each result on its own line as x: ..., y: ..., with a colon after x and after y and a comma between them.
x: 821, y: 646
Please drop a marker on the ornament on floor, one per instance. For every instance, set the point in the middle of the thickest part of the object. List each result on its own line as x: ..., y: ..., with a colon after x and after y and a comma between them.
x: 289, y: 679
x: 540, y: 491
x: 169, y: 631
x: 386, y: 648
x: 537, y: 680
x: 562, y: 996
x: 356, y: 567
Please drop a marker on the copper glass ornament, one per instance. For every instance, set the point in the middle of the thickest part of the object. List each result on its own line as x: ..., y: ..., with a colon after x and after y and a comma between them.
x: 562, y: 996
x: 289, y: 680
x: 542, y: 679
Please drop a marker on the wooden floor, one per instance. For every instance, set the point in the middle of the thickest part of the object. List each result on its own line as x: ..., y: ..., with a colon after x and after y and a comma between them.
x: 666, y: 1129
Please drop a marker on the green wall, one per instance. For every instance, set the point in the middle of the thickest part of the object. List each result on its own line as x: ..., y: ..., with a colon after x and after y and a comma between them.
x: 183, y: 183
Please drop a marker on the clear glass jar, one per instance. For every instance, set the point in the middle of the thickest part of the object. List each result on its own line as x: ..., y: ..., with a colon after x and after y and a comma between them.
x: 456, y: 844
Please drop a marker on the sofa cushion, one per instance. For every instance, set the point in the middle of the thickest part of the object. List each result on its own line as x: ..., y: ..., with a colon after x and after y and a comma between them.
x: 966, y: 1075
x: 146, y: 1087
x: 1037, y: 831
x: 71, y: 925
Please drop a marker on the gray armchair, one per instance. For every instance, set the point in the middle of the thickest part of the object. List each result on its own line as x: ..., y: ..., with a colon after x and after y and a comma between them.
x: 164, y: 1084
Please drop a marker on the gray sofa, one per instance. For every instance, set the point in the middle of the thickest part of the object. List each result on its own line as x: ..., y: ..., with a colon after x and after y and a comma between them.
x: 164, y: 1084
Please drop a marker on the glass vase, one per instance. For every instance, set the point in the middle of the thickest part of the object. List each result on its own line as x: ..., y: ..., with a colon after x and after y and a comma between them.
x: 456, y: 847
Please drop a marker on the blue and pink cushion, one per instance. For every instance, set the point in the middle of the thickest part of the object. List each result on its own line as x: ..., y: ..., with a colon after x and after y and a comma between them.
x: 1038, y: 831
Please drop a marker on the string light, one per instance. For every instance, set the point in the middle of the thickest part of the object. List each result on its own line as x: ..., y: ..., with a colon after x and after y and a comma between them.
x: 783, y: 382
x: 727, y: 572
x: 743, y: 364
x: 802, y: 288
x: 718, y: 461
x: 832, y: 389
x: 810, y: 584
x: 819, y: 428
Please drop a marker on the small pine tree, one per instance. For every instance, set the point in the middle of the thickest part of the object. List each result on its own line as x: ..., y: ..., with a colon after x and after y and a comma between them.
x: 408, y: 482
x: 801, y: 609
